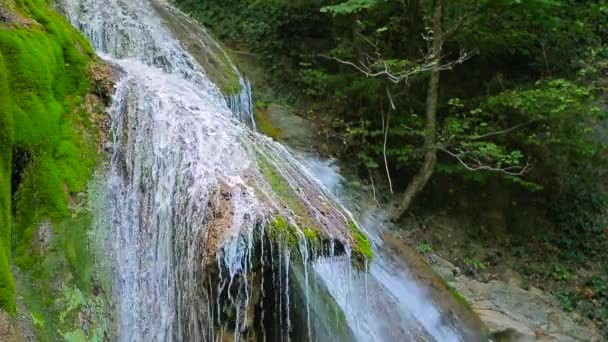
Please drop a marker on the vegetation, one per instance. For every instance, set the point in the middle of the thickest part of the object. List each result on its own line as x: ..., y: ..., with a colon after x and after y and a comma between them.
x: 48, y: 148
x: 447, y: 100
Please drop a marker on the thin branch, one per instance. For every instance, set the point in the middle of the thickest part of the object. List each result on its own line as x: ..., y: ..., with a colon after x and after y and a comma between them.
x: 371, y: 178
x: 398, y: 76
x: 505, y: 131
x: 390, y: 98
x: 515, y: 170
x: 385, y: 130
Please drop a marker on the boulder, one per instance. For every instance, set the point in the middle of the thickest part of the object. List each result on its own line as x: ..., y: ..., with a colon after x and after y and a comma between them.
x: 295, y: 130
x: 446, y: 270
x: 515, y: 314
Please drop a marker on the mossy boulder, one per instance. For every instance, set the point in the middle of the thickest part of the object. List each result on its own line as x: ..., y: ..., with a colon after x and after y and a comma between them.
x: 53, y: 93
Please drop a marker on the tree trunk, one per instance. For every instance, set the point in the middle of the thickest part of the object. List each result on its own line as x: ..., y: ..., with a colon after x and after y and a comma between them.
x: 430, y: 148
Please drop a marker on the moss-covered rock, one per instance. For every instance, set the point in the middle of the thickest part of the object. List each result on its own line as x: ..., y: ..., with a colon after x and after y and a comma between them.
x: 51, y: 123
x: 42, y: 79
x: 307, y: 208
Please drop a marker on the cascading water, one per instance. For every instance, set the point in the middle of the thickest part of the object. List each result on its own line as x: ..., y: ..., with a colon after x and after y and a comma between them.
x: 241, y: 103
x: 194, y: 195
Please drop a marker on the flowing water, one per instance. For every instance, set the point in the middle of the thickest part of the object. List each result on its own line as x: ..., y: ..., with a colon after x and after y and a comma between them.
x: 192, y: 187
x: 385, y: 304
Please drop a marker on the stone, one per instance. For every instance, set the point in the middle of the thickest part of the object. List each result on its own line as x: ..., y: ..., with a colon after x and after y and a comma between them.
x: 504, y: 328
x: 514, y: 314
x: 446, y: 270
x: 513, y: 278
x: 43, y: 237
x: 295, y: 130
x: 7, y: 332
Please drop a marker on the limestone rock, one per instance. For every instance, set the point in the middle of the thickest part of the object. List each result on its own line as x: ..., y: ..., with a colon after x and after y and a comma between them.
x: 445, y: 269
x: 295, y: 130
x: 103, y: 79
x: 514, y: 314
x: 43, y: 237
x: 7, y: 332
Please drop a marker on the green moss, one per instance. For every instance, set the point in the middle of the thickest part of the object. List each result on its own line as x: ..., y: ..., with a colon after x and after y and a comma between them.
x: 362, y: 248
x: 456, y: 294
x: 281, y: 231
x: 285, y: 193
x: 7, y: 286
x: 459, y: 297
x: 43, y: 78
x: 265, y: 125
x: 310, y: 234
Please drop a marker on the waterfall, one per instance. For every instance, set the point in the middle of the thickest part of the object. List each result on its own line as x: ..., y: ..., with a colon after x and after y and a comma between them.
x: 195, y: 192
x: 241, y: 103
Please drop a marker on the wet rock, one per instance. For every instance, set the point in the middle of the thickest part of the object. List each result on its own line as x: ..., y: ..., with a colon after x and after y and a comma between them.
x: 104, y: 76
x: 199, y: 43
x: 455, y: 309
x: 513, y: 278
x: 295, y: 130
x: 43, y: 237
x: 5, y: 16
x: 7, y: 332
x: 445, y: 269
x: 514, y: 314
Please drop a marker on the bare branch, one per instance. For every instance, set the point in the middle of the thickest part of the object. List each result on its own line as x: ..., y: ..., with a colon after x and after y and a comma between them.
x: 371, y: 178
x: 505, y: 131
x: 380, y: 68
x: 514, y: 170
x: 385, y: 130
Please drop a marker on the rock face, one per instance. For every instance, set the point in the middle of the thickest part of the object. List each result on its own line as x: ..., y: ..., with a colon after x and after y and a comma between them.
x: 295, y: 130
x: 512, y: 313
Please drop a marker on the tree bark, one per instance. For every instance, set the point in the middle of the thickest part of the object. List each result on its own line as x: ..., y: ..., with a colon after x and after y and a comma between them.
x: 430, y: 147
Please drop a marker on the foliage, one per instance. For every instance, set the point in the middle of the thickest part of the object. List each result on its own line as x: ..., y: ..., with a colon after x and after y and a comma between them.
x: 424, y: 248
x: 348, y: 7
x: 474, y: 265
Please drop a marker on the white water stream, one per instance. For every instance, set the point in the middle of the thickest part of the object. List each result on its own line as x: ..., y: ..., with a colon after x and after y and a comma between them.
x: 178, y: 152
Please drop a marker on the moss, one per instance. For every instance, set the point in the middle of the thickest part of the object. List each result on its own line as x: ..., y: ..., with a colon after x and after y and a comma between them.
x: 460, y: 299
x: 310, y: 234
x: 43, y: 77
x: 281, y: 231
x: 7, y: 286
x: 362, y: 248
x: 285, y: 193
x: 264, y: 124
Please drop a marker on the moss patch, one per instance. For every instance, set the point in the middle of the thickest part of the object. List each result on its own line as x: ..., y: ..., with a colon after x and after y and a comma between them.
x: 362, y: 247
x: 264, y: 124
x: 43, y: 78
x: 285, y: 193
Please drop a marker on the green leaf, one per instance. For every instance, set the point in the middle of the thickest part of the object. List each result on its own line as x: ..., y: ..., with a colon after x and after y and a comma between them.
x: 349, y: 7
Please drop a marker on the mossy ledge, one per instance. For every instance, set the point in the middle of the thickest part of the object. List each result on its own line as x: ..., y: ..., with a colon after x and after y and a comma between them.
x: 52, y: 121
x: 317, y: 237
